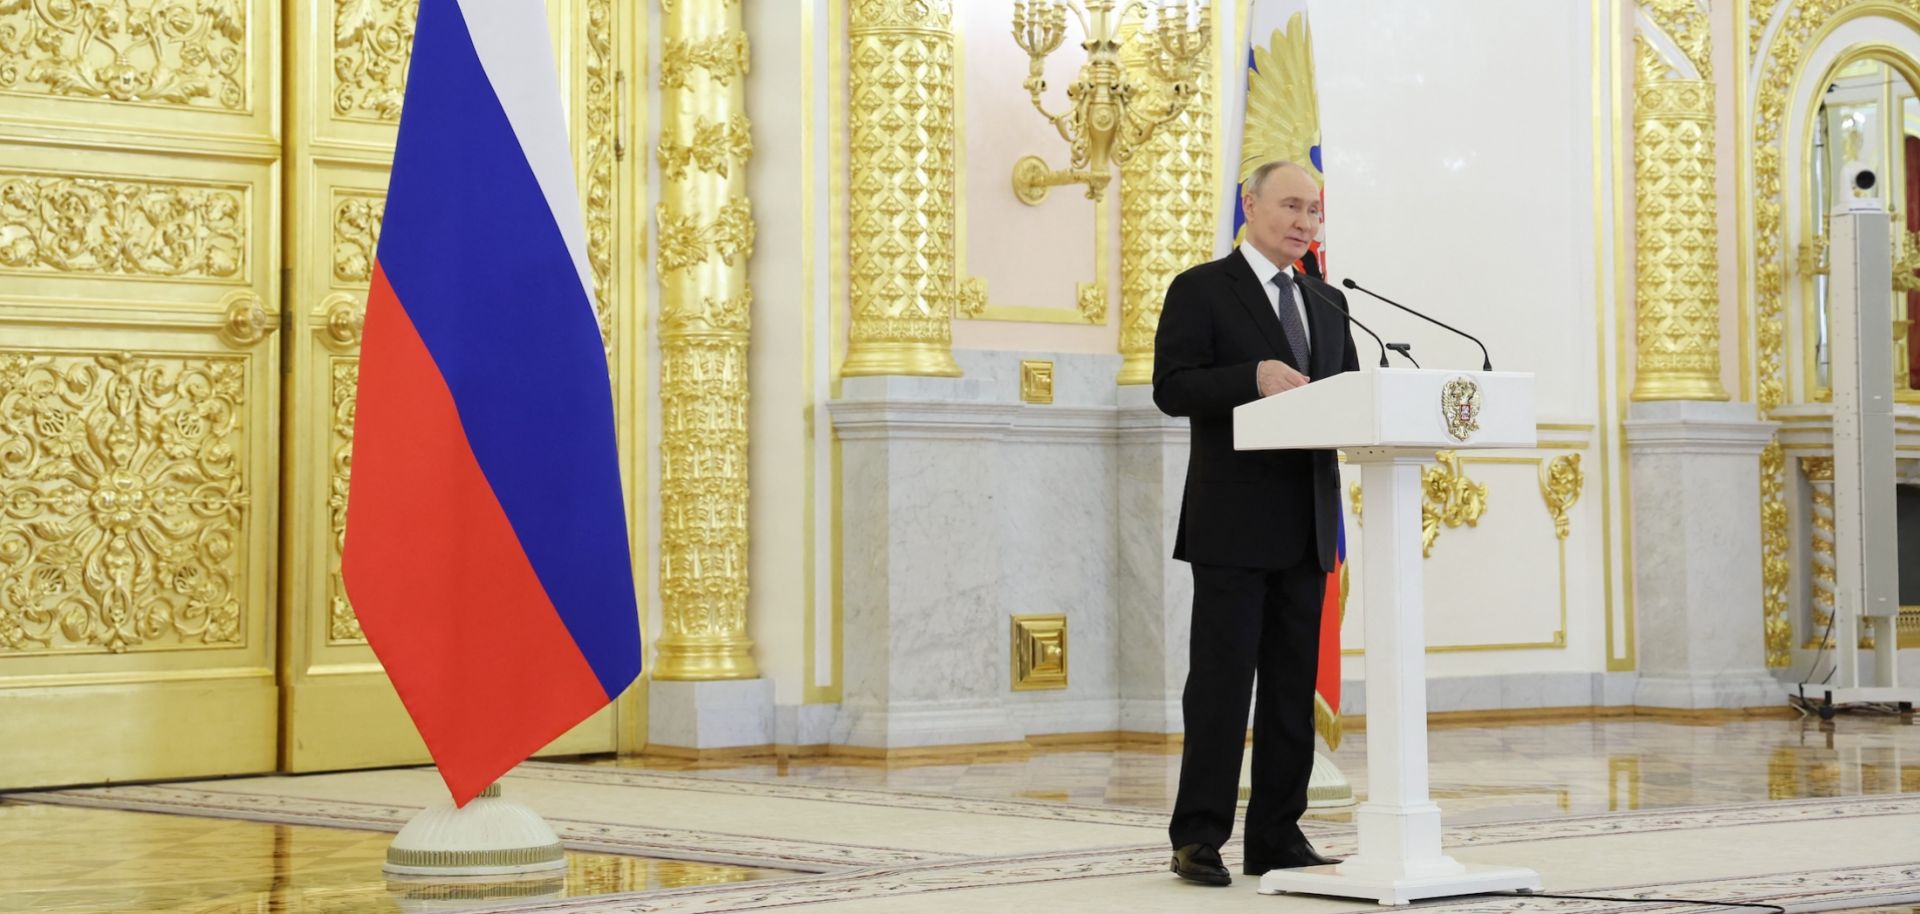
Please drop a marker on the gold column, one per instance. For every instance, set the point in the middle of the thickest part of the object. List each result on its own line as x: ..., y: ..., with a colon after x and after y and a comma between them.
x: 1677, y: 282
x: 901, y: 139
x: 1819, y: 473
x: 1166, y: 209
x: 705, y: 241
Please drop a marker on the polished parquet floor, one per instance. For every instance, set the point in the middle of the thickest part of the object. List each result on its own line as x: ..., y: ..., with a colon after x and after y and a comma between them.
x: 74, y: 860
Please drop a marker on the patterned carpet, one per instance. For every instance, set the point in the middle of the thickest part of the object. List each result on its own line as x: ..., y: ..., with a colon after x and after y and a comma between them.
x: 846, y: 849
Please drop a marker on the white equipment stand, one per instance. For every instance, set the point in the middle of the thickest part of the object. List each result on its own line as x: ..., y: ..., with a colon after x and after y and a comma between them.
x: 1390, y: 422
x: 1860, y: 309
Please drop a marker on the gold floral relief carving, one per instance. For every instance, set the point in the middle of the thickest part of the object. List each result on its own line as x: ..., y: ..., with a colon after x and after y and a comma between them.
x: 713, y: 145
x: 722, y: 55
x: 343, y: 627
x: 1775, y: 574
x: 1824, y: 581
x: 165, y: 52
x: 1560, y: 485
x: 122, y: 484
x: 603, y: 150
x: 685, y: 241
x: 1450, y: 499
x: 116, y: 227
x: 1685, y: 24
x: 372, y: 44
x: 356, y: 236
x: 1091, y: 299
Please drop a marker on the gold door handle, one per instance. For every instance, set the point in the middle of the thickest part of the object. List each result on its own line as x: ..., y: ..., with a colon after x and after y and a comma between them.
x: 247, y: 320
x: 345, y: 319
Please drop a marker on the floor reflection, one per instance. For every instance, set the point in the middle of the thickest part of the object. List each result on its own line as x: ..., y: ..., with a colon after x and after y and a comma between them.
x: 1479, y: 772
x: 63, y: 859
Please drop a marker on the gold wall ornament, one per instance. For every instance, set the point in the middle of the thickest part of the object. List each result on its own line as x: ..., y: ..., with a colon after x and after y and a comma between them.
x: 722, y: 56
x: 1167, y: 211
x: 1109, y: 117
x: 972, y: 299
x: 901, y: 138
x: 1819, y: 473
x: 1036, y: 381
x: 1039, y: 646
x: 604, y: 143
x: 121, y: 481
x: 1460, y: 408
x: 1775, y: 574
x: 705, y: 241
x: 356, y: 235
x: 1560, y: 485
x: 120, y: 227
x: 1676, y: 232
x: 1450, y: 499
x: 1355, y: 495
x: 372, y: 45
x: 1091, y: 299
x: 343, y: 626
x: 139, y: 51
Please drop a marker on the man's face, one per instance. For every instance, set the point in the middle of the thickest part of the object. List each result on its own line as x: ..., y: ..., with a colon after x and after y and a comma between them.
x: 1283, y: 220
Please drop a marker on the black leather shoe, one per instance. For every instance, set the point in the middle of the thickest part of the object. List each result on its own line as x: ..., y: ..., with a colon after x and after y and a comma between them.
x: 1200, y: 863
x: 1295, y: 855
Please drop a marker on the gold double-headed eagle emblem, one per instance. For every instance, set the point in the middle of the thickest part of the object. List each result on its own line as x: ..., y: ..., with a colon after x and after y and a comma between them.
x: 1460, y: 407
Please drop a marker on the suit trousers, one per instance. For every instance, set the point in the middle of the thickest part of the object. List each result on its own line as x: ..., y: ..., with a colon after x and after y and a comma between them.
x: 1249, y: 621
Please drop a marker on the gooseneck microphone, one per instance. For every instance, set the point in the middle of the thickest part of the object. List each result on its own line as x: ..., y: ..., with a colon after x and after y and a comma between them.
x: 1344, y: 313
x: 1486, y: 361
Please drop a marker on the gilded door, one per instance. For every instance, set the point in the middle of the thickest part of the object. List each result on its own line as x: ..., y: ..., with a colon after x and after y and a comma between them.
x: 190, y: 195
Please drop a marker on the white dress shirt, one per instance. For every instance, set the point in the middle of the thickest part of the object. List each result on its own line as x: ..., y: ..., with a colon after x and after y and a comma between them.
x: 1265, y: 271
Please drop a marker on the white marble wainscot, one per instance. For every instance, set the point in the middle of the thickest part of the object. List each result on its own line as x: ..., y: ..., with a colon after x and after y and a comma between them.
x: 1506, y: 691
x: 725, y: 714
x: 1154, y: 593
x: 962, y: 507
x: 1694, y: 473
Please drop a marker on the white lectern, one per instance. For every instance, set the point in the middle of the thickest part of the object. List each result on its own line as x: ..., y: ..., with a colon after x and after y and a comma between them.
x: 1390, y: 422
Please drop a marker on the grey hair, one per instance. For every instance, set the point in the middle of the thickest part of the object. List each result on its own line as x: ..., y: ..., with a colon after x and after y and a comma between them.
x: 1251, y: 187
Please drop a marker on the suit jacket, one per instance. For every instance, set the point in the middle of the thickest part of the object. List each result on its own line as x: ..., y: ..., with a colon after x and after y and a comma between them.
x: 1247, y: 509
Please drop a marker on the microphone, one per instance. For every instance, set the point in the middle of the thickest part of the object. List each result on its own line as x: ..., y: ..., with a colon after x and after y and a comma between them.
x: 1486, y: 361
x: 1350, y: 319
x: 1405, y: 350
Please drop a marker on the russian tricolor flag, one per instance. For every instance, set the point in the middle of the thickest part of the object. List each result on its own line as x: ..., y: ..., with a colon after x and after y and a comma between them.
x: 486, y: 545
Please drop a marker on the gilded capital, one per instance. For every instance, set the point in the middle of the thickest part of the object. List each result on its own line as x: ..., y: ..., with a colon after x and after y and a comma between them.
x: 904, y: 286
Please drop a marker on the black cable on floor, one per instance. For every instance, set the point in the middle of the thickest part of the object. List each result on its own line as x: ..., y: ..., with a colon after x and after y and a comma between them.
x: 1777, y: 909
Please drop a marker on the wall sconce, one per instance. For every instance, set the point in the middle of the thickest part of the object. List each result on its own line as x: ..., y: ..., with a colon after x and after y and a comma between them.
x: 1104, y: 123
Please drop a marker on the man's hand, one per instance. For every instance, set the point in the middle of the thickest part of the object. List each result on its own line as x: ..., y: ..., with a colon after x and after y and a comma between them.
x: 1276, y: 377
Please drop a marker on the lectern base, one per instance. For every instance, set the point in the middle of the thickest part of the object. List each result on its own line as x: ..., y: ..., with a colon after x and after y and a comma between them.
x: 1389, y: 889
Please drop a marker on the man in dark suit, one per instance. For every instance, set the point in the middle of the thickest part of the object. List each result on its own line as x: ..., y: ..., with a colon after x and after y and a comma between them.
x: 1256, y: 526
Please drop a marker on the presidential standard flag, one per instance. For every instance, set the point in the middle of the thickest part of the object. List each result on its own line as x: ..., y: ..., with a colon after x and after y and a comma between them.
x: 486, y: 545
x: 1280, y: 121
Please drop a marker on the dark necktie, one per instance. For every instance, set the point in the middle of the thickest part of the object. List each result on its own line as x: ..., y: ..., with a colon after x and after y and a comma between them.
x: 1290, y: 320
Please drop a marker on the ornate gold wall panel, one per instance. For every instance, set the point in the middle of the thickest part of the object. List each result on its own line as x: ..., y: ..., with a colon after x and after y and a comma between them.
x: 139, y: 391
x: 130, y: 51
x: 1167, y: 213
x: 164, y: 444
x: 122, y: 478
x: 705, y: 241
x: 901, y: 106
x: 1778, y: 60
x: 1677, y: 282
x: 102, y: 225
